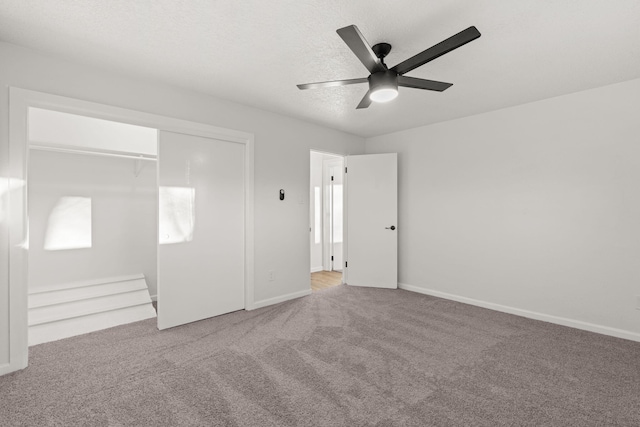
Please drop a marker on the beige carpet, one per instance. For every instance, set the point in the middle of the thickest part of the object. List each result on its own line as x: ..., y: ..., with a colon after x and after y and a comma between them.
x: 341, y: 357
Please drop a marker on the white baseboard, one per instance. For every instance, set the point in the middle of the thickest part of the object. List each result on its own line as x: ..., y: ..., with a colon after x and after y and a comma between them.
x: 276, y: 300
x: 578, y: 324
x: 7, y: 368
x: 316, y: 269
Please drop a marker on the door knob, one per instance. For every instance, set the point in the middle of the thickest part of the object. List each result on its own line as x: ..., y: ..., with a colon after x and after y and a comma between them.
x: 393, y: 227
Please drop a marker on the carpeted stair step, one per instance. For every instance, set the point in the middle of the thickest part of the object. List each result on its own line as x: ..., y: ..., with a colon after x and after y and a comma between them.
x: 84, y: 290
x: 72, y: 309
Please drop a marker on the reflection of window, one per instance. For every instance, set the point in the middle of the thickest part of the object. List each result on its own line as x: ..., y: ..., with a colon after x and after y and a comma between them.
x: 7, y: 185
x: 69, y: 225
x: 337, y: 213
x: 177, y: 214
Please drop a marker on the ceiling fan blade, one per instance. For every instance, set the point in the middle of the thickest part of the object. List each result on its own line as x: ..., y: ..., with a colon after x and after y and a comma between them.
x: 412, y: 82
x: 357, y: 43
x: 366, y: 101
x: 436, y: 51
x: 333, y: 83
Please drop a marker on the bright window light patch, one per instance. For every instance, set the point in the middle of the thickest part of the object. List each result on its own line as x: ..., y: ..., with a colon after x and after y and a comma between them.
x: 69, y: 225
x: 6, y: 186
x: 337, y: 213
x: 177, y: 214
x: 316, y: 214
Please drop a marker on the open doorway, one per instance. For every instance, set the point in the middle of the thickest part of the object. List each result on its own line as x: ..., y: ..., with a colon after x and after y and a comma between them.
x: 326, y: 220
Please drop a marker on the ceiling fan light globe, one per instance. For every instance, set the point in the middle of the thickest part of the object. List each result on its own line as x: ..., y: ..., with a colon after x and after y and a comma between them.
x: 383, y: 86
x: 384, y: 95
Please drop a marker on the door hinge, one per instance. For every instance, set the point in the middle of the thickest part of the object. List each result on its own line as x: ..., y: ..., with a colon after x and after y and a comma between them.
x: 331, y: 178
x: 345, y: 170
x: 346, y: 264
x: 331, y: 257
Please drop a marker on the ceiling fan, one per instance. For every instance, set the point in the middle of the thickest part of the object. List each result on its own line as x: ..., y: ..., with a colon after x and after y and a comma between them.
x: 384, y: 81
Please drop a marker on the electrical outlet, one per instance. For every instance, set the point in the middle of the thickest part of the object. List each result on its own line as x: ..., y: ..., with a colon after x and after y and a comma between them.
x: 271, y: 275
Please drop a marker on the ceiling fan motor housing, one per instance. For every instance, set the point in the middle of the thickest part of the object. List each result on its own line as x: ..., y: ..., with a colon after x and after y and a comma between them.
x: 383, y: 80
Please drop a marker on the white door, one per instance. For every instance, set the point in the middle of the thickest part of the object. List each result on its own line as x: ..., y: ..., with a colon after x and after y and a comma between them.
x: 200, y: 229
x: 372, y: 212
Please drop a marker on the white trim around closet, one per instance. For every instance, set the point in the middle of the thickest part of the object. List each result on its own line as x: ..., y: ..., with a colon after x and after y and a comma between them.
x: 20, y: 100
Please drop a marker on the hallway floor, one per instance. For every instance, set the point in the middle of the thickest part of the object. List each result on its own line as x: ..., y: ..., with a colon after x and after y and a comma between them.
x: 325, y: 279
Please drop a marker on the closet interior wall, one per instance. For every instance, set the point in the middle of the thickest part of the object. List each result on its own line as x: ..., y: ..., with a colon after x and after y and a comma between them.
x: 121, y: 197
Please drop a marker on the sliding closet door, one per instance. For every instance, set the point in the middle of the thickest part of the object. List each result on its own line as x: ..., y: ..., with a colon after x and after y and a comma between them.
x: 201, y: 228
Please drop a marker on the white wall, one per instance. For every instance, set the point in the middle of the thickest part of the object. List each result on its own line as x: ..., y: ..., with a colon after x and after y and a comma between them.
x: 123, y: 218
x: 534, y: 208
x: 281, y: 158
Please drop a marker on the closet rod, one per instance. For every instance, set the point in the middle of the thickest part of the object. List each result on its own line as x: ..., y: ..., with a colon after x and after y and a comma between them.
x: 95, y: 153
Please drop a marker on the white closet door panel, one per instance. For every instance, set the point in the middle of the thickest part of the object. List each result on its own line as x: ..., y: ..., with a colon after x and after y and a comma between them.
x: 201, y: 228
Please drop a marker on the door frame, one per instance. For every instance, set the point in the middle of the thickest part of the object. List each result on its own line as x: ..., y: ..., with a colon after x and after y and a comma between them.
x: 19, y: 102
x: 327, y: 211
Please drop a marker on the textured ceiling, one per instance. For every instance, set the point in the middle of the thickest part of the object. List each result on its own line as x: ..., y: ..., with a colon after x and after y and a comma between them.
x: 255, y: 52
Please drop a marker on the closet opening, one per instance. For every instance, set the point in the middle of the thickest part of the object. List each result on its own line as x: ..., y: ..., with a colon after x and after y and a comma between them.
x: 92, y: 200
x: 326, y: 219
